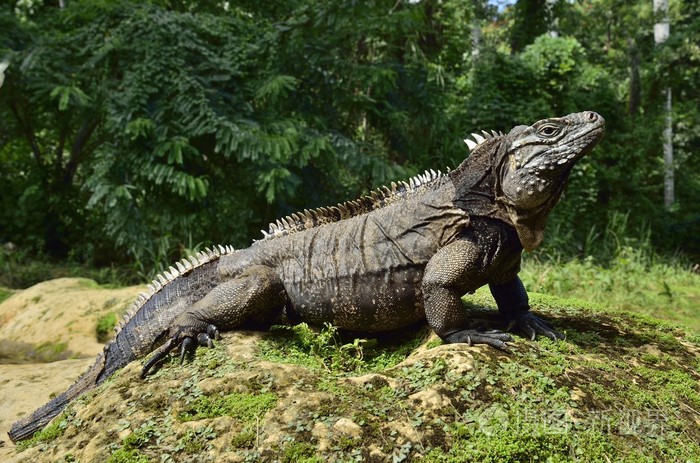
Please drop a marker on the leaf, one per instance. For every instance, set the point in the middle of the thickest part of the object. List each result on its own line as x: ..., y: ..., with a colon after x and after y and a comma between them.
x: 275, y: 87
x: 141, y: 127
x: 66, y: 93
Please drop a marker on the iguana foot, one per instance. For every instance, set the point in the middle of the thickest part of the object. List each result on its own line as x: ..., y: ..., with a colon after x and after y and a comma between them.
x: 493, y: 338
x: 185, y: 338
x: 531, y: 325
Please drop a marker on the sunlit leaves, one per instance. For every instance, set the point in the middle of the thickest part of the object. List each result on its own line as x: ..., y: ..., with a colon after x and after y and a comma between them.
x: 275, y: 86
x: 69, y: 94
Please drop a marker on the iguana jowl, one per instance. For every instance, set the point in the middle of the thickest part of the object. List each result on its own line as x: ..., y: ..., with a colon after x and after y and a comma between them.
x: 383, y: 262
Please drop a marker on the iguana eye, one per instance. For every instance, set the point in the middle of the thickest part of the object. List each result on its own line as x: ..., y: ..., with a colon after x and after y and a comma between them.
x: 548, y: 130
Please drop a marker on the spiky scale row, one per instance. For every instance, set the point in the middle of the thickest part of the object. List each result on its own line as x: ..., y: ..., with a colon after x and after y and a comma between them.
x: 472, y: 144
x: 374, y: 200
x: 181, y: 268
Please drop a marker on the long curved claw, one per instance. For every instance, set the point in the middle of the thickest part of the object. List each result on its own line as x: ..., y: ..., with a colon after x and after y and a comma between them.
x: 187, y: 345
x: 531, y: 326
x: 159, y: 354
x: 187, y: 339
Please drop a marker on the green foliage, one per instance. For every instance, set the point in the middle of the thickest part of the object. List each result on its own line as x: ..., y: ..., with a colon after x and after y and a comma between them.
x: 300, y: 344
x: 301, y: 452
x: 127, y: 456
x: 620, y: 271
x: 105, y: 326
x: 195, y: 440
x: 129, y: 143
x: 46, y: 435
x: 245, y: 407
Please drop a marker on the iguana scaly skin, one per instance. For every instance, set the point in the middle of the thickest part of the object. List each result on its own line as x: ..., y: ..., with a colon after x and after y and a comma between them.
x: 386, y: 261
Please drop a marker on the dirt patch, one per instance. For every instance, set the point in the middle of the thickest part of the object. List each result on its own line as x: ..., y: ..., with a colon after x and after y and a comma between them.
x: 58, y: 317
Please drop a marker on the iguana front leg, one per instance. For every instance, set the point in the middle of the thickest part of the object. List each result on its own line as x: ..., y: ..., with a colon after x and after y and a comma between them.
x: 257, y: 294
x: 514, y: 305
x: 452, y: 272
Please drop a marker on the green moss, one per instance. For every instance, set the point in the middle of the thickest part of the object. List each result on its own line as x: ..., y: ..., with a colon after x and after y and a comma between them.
x: 326, y: 349
x: 300, y: 452
x: 243, y: 406
x: 105, y: 327
x: 127, y: 456
x: 48, y: 434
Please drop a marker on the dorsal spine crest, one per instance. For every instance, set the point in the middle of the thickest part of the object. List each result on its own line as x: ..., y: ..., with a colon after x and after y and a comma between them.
x: 374, y: 200
x: 184, y: 266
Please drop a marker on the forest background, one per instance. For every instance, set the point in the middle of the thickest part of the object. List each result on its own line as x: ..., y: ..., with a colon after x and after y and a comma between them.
x: 132, y: 132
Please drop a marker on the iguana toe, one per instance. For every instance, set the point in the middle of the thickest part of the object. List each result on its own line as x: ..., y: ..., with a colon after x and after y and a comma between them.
x: 187, y: 339
x: 207, y: 339
x: 493, y: 338
x: 531, y: 326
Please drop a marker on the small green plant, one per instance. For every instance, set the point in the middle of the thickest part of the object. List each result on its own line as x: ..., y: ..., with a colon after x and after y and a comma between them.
x: 302, y: 345
x: 300, y: 452
x: 244, y: 440
x: 123, y: 455
x: 48, y: 434
x: 105, y: 326
x: 195, y: 440
x: 243, y: 406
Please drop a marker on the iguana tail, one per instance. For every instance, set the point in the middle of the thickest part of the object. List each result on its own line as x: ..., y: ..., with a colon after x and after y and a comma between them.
x: 143, y: 329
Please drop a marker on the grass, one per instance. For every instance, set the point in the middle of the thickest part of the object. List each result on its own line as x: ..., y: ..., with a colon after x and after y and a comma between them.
x: 618, y: 268
x: 105, y: 326
x: 329, y: 349
x: 244, y: 406
x: 5, y: 293
x: 630, y: 283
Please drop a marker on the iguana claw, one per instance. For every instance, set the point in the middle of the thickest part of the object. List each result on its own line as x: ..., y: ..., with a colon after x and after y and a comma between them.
x: 186, y: 343
x: 531, y: 325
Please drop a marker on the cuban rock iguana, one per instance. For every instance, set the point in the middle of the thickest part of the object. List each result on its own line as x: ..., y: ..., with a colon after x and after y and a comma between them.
x: 386, y: 261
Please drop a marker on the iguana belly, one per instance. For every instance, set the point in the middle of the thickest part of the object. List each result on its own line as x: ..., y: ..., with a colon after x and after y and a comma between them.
x: 361, y: 302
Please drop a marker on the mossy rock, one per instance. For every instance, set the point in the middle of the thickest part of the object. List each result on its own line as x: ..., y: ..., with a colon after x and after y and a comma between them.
x: 621, y: 387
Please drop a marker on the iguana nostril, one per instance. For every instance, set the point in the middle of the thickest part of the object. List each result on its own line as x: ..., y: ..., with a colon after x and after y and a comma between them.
x: 592, y: 116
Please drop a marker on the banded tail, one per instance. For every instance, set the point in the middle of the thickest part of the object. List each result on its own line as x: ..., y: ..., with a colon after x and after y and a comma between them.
x: 141, y: 331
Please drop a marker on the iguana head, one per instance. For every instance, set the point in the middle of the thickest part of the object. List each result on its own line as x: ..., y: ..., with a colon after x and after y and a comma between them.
x: 525, y: 171
x: 535, y: 163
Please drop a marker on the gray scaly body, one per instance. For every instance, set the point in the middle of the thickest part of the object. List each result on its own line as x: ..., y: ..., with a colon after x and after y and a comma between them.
x: 386, y: 261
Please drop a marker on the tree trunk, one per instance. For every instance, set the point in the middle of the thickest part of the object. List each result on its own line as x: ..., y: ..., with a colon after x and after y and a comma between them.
x: 635, y: 89
x: 661, y: 33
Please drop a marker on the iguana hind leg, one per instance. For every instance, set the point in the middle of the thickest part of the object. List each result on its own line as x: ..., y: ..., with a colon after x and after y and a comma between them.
x: 256, y: 294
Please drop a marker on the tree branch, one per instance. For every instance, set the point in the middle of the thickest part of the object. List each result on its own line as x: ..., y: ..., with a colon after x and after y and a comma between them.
x: 28, y: 133
x: 78, y: 149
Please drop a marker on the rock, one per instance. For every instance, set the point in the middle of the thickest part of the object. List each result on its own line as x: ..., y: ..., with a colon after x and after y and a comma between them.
x: 348, y: 427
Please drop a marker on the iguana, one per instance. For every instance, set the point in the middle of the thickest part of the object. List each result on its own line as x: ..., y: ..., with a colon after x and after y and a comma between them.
x: 403, y: 254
